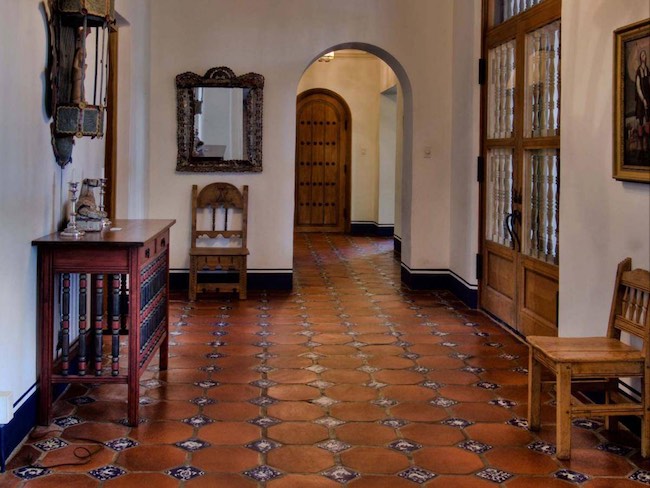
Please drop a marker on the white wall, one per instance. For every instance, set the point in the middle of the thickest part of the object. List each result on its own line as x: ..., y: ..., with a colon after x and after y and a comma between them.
x: 602, y: 220
x: 32, y: 186
x: 279, y: 40
x: 387, y: 156
x: 355, y: 77
x: 133, y: 109
x: 466, y: 98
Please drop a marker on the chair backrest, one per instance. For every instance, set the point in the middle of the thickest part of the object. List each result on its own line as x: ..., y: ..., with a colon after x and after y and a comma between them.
x: 630, y: 305
x: 225, y: 198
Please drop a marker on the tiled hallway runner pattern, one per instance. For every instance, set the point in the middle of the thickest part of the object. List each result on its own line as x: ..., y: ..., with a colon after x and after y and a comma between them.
x: 348, y: 380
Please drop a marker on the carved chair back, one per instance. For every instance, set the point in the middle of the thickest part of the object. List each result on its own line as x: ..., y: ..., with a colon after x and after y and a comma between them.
x: 222, y: 201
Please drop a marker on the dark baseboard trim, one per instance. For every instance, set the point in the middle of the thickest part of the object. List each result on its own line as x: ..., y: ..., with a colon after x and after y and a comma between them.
x: 440, y: 279
x: 371, y: 229
x: 179, y: 280
x: 397, y: 246
x: 23, y: 421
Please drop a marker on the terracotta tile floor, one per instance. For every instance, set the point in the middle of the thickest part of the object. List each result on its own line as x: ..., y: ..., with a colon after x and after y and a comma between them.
x: 348, y: 380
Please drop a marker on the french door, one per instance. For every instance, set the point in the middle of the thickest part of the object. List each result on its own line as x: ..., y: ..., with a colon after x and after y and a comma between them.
x: 521, y: 156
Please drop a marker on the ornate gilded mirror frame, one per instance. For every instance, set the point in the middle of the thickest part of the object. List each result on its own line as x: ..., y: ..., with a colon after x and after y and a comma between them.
x: 188, y: 106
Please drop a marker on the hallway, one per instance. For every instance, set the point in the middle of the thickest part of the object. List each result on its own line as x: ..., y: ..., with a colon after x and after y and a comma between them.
x: 349, y: 380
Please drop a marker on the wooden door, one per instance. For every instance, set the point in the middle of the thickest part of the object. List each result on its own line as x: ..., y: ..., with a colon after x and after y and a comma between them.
x: 322, y: 160
x: 521, y: 164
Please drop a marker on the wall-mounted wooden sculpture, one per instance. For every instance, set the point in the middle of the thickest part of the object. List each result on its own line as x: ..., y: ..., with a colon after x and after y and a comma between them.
x: 78, y: 70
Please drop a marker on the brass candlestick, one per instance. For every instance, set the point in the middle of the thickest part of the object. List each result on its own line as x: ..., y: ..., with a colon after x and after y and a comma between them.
x: 102, y: 191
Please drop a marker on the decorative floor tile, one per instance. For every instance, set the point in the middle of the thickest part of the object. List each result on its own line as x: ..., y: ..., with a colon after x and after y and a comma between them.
x: 263, y: 401
x: 410, y: 355
x: 106, y: 472
x: 502, y: 402
x: 220, y: 333
x: 151, y: 384
x: 216, y: 343
x: 571, y: 476
x: 329, y: 422
x: 448, y: 344
x: 641, y: 475
x: 394, y: 423
x: 520, y: 370
x: 121, y: 444
x: 456, y: 422
x: 473, y: 369
x: 508, y: 357
x: 316, y: 368
x: 215, y: 355
x: 202, y: 401
x: 81, y: 400
x: 442, y: 402
x: 31, y: 472
x: 474, y: 446
x: 416, y: 475
x: 146, y: 400
x: 206, y: 384
x: 322, y: 384
x: 263, y: 473
x: 587, y: 424
x: 615, y: 448
x: 185, y: 473
x: 263, y: 369
x: 263, y: 383
x: 488, y: 385
x: 405, y: 445
x: 384, y: 402
x: 198, y: 420
x: 192, y: 445
x: 420, y: 369
x: 493, y: 344
x: 460, y: 355
x: 64, y: 422
x: 494, y: 475
x: 51, y: 444
x: 264, y: 421
x: 542, y: 447
x: 340, y: 474
x: 263, y: 445
x: 518, y: 422
x: 210, y: 369
x: 377, y: 385
x: 324, y: 401
x: 431, y: 384
x: 333, y: 445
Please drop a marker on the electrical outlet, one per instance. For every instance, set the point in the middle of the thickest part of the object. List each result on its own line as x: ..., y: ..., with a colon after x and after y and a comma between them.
x: 6, y: 407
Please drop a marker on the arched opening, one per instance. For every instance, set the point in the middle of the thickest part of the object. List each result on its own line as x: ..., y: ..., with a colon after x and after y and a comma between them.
x: 381, y: 193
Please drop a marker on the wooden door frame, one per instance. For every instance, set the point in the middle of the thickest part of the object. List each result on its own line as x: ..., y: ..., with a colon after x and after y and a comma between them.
x: 110, y: 141
x: 348, y: 151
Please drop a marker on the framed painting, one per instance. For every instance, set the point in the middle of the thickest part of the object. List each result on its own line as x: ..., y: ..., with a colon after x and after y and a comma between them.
x: 632, y: 102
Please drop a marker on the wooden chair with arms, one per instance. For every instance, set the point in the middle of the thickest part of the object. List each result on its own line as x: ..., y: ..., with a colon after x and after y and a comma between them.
x: 225, y: 199
x: 605, y: 358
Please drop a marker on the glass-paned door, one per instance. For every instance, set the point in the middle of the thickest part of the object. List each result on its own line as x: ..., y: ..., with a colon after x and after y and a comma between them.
x: 521, y: 153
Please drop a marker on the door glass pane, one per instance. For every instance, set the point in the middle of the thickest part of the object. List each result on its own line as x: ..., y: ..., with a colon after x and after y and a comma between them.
x: 542, y: 213
x: 505, y: 9
x: 501, y: 90
x: 499, y: 195
x: 543, y: 81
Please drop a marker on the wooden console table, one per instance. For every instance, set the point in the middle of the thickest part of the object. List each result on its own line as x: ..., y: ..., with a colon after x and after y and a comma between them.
x: 132, y: 262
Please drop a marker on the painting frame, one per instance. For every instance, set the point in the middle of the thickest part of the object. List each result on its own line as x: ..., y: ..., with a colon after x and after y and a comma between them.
x: 631, y: 112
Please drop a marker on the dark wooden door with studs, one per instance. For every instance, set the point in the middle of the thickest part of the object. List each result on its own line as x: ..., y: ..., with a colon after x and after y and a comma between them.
x: 322, y: 154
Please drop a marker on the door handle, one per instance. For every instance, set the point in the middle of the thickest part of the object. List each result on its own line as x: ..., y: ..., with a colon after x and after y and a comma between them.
x: 511, y: 228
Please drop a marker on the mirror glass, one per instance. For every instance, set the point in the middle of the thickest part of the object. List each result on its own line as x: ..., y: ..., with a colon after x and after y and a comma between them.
x: 219, y: 121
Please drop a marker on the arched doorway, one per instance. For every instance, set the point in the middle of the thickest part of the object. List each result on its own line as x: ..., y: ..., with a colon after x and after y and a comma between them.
x: 323, y: 131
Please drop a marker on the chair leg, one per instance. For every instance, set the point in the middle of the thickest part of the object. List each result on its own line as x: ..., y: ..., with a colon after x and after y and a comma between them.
x: 534, y: 392
x: 645, y: 418
x: 192, y: 291
x: 611, y: 421
x: 563, y: 413
x: 242, y: 279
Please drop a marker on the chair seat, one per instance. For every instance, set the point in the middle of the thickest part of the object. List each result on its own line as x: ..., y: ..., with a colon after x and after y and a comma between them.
x: 219, y: 251
x: 585, y: 349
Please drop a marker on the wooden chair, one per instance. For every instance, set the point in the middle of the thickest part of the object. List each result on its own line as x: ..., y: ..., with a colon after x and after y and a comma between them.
x: 603, y: 358
x: 221, y: 201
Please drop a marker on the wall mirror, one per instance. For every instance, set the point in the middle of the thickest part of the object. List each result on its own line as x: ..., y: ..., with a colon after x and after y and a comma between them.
x: 219, y: 121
